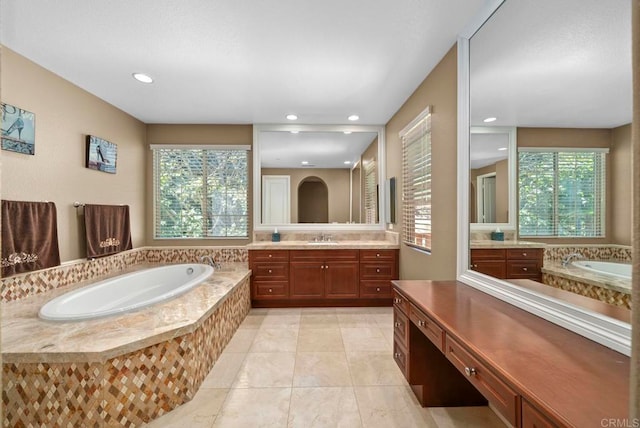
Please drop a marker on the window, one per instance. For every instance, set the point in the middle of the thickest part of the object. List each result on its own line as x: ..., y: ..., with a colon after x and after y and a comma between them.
x: 416, y: 182
x: 370, y: 192
x: 562, y: 192
x: 200, y: 191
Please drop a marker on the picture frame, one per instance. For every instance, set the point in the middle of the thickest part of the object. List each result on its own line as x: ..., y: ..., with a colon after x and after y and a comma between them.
x: 18, y: 130
x: 102, y: 155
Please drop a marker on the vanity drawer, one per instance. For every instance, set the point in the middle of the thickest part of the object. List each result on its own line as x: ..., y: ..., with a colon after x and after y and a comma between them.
x: 504, y: 399
x: 375, y: 289
x: 382, y: 270
x: 268, y: 255
x: 524, y: 254
x: 532, y: 418
x: 324, y: 255
x: 270, y: 271
x: 522, y: 269
x: 401, y: 328
x: 273, y: 290
x: 490, y: 267
x: 369, y: 255
x: 401, y: 356
x: 427, y: 326
x: 400, y: 303
x: 487, y: 254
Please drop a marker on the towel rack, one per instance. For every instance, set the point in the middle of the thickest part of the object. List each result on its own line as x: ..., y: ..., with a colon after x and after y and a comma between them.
x: 78, y: 204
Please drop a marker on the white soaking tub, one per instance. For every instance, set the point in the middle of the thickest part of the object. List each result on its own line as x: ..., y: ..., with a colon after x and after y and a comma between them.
x: 126, y: 292
x: 612, y: 269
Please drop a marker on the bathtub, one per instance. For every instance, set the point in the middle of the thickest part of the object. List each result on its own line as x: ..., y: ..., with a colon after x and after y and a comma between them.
x: 616, y: 270
x: 126, y: 292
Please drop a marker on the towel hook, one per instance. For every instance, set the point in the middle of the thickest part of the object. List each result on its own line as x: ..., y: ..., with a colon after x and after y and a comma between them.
x: 78, y: 204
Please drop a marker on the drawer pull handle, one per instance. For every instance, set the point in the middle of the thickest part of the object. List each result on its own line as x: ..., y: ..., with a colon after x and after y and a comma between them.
x: 270, y: 290
x: 377, y: 254
x: 398, y: 324
x: 421, y: 323
x: 524, y: 254
x: 377, y: 270
x: 270, y: 271
x: 396, y: 355
x: 269, y: 255
x: 378, y: 289
x: 524, y: 269
x: 470, y: 371
x: 396, y: 300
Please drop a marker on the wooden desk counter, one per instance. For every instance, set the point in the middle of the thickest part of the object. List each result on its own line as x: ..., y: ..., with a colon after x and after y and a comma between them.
x: 569, y: 379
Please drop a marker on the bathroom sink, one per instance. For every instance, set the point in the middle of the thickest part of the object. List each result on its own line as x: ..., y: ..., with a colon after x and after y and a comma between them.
x: 322, y: 243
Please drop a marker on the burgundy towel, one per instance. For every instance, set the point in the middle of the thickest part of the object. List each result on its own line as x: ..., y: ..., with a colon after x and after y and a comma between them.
x: 29, y: 236
x: 108, y: 229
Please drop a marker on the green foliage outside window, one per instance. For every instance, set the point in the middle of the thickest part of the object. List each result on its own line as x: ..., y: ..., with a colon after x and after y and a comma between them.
x: 200, y: 193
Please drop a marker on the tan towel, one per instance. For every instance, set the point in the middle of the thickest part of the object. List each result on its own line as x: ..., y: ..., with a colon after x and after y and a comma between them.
x: 108, y: 229
x: 29, y: 236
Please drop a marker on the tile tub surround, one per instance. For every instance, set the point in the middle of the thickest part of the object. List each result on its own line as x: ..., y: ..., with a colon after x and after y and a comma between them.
x: 614, y: 291
x: 144, y: 364
x: 21, y: 286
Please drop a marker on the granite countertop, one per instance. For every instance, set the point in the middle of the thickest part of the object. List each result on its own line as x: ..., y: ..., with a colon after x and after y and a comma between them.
x: 486, y: 243
x: 306, y: 245
x: 27, y: 338
x: 576, y: 274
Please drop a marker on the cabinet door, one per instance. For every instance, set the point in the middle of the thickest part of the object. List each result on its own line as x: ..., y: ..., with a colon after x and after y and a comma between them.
x: 341, y: 279
x: 307, y: 280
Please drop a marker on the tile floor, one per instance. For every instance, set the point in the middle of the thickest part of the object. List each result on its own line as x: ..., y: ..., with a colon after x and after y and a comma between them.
x: 315, y: 367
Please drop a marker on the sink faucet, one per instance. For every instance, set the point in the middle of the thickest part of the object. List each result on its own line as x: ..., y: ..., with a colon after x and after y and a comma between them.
x: 567, y: 259
x: 209, y: 261
x: 322, y: 238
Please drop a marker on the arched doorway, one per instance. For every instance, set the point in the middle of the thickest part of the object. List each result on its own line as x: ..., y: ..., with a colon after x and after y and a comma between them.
x: 313, y: 201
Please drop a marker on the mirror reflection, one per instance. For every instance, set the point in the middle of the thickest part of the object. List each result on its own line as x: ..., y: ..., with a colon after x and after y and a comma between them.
x: 559, y: 73
x: 319, y: 177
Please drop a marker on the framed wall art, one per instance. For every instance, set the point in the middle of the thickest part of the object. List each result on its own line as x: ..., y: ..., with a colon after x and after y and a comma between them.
x: 18, y: 130
x: 101, y: 154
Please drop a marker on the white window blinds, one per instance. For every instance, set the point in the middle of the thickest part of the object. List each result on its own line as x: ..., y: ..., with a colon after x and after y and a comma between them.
x: 561, y: 192
x: 416, y: 182
x: 370, y: 192
x: 200, y: 192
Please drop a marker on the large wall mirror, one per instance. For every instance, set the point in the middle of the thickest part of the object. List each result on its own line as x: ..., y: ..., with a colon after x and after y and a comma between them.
x: 533, y: 65
x: 319, y: 177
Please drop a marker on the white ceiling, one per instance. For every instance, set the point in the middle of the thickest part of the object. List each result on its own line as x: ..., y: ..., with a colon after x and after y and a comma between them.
x: 554, y: 63
x: 320, y: 149
x: 485, y: 149
x: 240, y: 61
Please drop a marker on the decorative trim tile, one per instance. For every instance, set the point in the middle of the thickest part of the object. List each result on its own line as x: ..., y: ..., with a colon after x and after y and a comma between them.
x: 602, y: 294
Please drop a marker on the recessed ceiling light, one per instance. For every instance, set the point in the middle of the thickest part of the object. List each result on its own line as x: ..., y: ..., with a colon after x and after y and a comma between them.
x: 294, y: 132
x: 353, y: 117
x: 490, y: 119
x: 347, y: 162
x: 502, y: 148
x: 305, y: 162
x: 347, y: 132
x: 292, y: 117
x: 141, y: 77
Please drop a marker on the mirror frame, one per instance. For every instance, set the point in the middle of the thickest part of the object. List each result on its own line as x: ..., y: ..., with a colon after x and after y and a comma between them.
x: 258, y: 226
x: 512, y: 166
x: 607, y: 331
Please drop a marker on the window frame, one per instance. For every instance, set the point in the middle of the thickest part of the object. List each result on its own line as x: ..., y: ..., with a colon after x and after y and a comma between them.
x: 409, y: 202
x: 201, y: 147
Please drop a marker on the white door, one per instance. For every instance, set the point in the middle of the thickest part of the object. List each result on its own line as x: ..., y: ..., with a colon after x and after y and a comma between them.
x: 276, y: 194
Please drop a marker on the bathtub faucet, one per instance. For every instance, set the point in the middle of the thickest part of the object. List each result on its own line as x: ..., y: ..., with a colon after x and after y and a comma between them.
x: 209, y: 260
x: 567, y: 259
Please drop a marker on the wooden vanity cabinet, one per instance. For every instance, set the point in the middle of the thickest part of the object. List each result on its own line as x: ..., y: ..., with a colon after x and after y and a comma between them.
x: 322, y: 277
x: 508, y: 263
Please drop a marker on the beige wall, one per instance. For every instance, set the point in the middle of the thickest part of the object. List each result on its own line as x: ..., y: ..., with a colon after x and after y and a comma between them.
x: 618, y: 193
x: 197, y: 134
x: 369, y: 155
x: 64, y: 116
x: 337, y: 181
x: 621, y: 175
x: 438, y: 90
